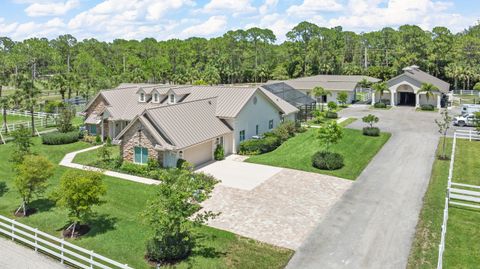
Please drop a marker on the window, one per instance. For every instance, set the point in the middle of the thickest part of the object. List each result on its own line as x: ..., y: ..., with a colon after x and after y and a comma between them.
x: 256, y: 129
x: 270, y: 124
x: 172, y: 98
x: 93, y: 129
x: 141, y: 155
x: 142, y: 97
x: 155, y: 98
x: 242, y: 135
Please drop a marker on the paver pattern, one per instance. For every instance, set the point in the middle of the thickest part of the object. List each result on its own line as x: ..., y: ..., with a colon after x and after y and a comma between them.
x: 373, y: 224
x: 281, y: 211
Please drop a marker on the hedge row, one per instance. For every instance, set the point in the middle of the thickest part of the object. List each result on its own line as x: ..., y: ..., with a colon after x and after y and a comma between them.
x: 57, y: 138
x: 259, y: 146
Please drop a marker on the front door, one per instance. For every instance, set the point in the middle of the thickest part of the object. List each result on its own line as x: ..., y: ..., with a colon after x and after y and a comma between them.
x: 407, y: 99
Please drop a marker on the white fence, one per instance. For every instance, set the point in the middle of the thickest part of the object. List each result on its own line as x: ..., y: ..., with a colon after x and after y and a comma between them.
x: 462, y: 194
x: 29, y: 114
x: 60, y: 249
x: 466, y: 92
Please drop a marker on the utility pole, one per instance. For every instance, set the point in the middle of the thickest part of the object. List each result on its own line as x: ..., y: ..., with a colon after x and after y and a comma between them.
x: 124, y: 68
x: 366, y: 57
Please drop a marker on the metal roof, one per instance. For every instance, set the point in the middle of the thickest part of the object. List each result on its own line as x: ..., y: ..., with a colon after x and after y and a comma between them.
x: 423, y: 77
x: 188, y: 123
x: 329, y: 82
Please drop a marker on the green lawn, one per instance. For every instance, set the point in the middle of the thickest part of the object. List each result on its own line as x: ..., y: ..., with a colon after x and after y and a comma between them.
x: 15, y: 118
x: 91, y: 157
x: 296, y: 153
x: 117, y: 229
x: 462, y: 248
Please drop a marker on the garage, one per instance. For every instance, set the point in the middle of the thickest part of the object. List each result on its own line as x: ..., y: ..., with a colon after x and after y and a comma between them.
x: 199, y: 154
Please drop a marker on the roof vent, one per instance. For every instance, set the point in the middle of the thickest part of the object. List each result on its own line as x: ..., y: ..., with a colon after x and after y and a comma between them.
x: 209, y: 102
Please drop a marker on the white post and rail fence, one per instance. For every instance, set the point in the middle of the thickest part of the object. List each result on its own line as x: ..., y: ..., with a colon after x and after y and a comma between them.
x: 66, y: 252
x: 459, y: 194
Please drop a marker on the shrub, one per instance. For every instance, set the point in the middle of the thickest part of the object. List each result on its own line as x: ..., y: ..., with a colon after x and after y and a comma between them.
x: 104, y: 154
x: 326, y: 160
x: 57, y: 138
x: 117, y: 162
x: 285, y: 130
x: 98, y: 140
x: 180, y: 163
x: 258, y: 146
x: 427, y: 107
x: 371, y: 131
x: 153, y: 164
x: 65, y: 120
x: 133, y: 168
x: 171, y: 247
x: 89, y: 139
x: 331, y: 115
x: 108, y: 141
x: 380, y: 105
x: 219, y: 153
x: 332, y: 105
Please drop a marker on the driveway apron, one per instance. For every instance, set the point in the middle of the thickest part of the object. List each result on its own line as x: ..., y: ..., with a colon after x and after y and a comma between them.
x: 373, y: 224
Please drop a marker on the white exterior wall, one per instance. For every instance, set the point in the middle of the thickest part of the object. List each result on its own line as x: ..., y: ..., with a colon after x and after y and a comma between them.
x: 228, y: 144
x: 334, y: 95
x: 251, y: 115
x: 199, y: 154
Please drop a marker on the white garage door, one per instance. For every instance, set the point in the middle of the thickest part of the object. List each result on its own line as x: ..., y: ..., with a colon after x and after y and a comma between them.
x: 199, y: 154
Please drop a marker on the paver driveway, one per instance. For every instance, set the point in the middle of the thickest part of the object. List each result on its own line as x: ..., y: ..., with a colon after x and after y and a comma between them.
x: 373, y: 224
x: 281, y: 210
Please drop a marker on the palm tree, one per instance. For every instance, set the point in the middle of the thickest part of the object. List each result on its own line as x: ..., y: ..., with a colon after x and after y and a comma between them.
x: 381, y: 88
x: 428, y: 89
x: 320, y: 92
x: 30, y: 94
x: 453, y: 71
x: 5, y: 103
x: 364, y: 83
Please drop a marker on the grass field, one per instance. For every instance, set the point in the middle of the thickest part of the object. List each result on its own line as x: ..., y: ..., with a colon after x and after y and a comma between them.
x: 462, y: 248
x: 118, y: 231
x: 296, y: 153
x: 15, y: 119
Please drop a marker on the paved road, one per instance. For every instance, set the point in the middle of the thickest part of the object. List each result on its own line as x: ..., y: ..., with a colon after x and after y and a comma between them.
x: 373, y: 225
x: 13, y: 255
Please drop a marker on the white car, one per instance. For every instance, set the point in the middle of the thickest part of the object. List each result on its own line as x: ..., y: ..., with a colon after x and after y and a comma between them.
x: 465, y: 120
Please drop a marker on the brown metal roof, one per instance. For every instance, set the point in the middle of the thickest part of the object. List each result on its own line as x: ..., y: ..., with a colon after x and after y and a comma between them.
x: 329, y: 82
x: 423, y: 77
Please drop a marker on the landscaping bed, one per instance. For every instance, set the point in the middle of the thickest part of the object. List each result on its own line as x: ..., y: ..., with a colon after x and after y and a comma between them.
x: 296, y: 153
x: 461, y: 249
x: 117, y: 230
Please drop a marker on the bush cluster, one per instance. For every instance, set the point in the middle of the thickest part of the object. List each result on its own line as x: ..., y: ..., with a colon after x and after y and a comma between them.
x: 331, y: 115
x: 371, y: 131
x: 326, y: 160
x: 135, y: 169
x: 170, y: 248
x: 427, y: 107
x: 380, y: 105
x: 259, y: 146
x: 57, y: 138
x: 219, y: 153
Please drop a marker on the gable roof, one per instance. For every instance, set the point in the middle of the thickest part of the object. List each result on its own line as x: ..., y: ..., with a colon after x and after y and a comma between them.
x: 415, y: 73
x: 183, y: 125
x: 329, y: 82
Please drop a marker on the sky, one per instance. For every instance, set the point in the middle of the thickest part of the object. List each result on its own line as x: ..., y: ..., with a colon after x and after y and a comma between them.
x: 107, y: 20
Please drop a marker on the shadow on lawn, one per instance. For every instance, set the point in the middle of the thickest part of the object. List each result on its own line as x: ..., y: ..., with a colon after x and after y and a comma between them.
x: 42, y: 204
x: 100, y: 223
x: 205, y: 251
x: 3, y: 188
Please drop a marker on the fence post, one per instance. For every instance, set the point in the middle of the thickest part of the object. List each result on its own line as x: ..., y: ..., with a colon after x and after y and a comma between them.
x: 91, y: 259
x: 470, y: 132
x: 13, y: 230
x: 61, y: 250
x: 36, y: 242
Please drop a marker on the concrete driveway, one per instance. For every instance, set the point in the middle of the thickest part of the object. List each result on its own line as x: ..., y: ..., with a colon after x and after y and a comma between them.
x: 373, y: 224
x: 273, y: 205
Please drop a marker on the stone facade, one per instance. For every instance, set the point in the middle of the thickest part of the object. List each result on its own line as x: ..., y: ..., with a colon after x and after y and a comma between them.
x: 97, y: 107
x: 133, y: 138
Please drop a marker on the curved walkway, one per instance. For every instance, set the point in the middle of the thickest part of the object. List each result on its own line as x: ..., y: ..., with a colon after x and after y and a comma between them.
x: 13, y: 255
x: 373, y: 224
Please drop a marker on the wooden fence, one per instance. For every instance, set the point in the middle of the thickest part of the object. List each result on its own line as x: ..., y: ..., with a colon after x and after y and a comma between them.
x: 60, y: 249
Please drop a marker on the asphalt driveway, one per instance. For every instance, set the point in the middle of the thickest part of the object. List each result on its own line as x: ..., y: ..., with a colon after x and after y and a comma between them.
x: 280, y: 209
x: 373, y: 224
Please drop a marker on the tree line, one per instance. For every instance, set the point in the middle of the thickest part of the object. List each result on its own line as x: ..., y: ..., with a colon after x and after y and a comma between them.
x: 74, y: 67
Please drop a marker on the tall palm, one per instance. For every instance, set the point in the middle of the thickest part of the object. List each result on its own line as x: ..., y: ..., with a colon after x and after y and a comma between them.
x: 30, y: 94
x: 380, y: 88
x: 320, y: 92
x: 5, y: 103
x: 453, y: 71
x: 428, y: 89
x: 364, y: 83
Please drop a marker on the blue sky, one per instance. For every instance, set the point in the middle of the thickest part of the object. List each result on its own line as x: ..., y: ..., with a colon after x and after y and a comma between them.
x: 162, y: 19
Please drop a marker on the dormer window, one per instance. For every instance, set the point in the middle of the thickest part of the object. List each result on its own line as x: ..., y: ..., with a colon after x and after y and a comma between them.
x: 172, y: 98
x: 155, y: 98
x: 142, y: 97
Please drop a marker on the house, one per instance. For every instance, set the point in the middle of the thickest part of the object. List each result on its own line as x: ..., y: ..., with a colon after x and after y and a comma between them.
x: 333, y: 83
x: 404, y: 88
x: 167, y: 123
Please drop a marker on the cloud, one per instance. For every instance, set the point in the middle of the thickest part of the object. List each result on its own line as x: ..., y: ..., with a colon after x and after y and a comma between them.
x: 267, y: 5
x: 309, y: 7
x: 214, y: 25
x: 235, y: 6
x: 38, y: 9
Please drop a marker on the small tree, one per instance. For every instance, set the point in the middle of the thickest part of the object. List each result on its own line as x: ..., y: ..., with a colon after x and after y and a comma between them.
x: 31, y: 179
x: 443, y: 126
x: 170, y: 213
x: 342, y: 98
x: 428, y: 89
x: 380, y: 88
x: 78, y: 192
x: 22, y: 141
x: 320, y: 92
x: 65, y: 120
x: 331, y: 133
x: 370, y: 120
x: 332, y: 106
x: 219, y: 153
x: 104, y: 153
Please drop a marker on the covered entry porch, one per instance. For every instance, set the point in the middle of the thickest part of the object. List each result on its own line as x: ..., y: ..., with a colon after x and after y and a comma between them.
x: 408, y: 95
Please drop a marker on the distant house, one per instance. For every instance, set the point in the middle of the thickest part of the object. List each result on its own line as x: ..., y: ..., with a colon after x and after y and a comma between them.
x: 333, y: 83
x: 404, y: 88
x: 166, y: 123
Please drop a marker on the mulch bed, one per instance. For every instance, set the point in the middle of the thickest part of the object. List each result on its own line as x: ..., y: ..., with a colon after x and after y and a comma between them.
x: 79, y: 231
x: 30, y: 211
